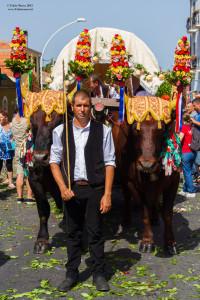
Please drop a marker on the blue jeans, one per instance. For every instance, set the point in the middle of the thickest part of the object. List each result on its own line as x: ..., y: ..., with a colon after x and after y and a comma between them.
x: 197, y: 158
x: 187, y: 163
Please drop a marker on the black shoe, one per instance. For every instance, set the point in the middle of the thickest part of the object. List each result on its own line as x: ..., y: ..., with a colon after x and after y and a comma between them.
x: 68, y: 284
x: 29, y: 201
x: 20, y: 200
x: 100, y: 282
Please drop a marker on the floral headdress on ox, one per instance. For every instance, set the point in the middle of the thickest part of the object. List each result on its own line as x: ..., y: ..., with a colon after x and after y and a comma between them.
x: 119, y: 70
x: 82, y: 66
x: 181, y: 74
x: 18, y: 62
x: 180, y: 78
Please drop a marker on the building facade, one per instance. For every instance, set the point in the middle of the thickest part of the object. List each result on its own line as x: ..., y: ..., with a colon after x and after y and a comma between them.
x: 193, y: 28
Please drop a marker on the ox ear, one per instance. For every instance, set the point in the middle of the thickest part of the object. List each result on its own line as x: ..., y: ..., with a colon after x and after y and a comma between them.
x: 173, y: 115
x: 171, y: 125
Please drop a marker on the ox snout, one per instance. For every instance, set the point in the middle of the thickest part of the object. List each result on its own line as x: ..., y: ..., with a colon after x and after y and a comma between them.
x: 41, y: 157
x: 147, y: 166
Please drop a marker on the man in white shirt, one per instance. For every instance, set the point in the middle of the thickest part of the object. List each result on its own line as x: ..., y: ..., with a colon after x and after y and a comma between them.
x: 92, y: 163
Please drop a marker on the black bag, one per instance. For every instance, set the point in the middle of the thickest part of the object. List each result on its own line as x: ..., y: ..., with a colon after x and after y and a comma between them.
x: 195, y: 144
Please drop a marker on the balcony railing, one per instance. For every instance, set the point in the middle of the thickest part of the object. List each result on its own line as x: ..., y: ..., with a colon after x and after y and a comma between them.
x: 195, y: 63
x: 193, y: 23
x: 196, y: 20
x: 190, y: 25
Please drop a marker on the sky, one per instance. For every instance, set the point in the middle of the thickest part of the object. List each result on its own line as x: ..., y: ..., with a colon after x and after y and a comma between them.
x: 159, y: 23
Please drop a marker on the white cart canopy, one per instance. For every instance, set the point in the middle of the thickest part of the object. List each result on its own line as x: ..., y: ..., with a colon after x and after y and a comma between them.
x: 100, y: 43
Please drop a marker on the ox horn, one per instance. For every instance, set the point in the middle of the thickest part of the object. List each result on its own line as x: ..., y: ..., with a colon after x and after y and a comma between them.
x: 138, y: 125
x: 159, y: 125
x: 172, y: 104
x: 24, y: 85
x: 173, y: 97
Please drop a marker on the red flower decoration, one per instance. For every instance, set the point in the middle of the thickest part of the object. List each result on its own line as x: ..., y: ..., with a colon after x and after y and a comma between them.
x: 165, y: 97
x: 17, y: 75
x: 118, y: 70
x: 18, y: 62
x: 184, y: 38
x: 181, y: 74
x: 82, y: 65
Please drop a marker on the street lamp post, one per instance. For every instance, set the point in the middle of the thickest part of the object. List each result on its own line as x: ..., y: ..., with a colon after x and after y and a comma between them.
x: 51, y: 37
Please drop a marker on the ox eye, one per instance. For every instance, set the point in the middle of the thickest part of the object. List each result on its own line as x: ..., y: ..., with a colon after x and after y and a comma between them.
x: 134, y: 126
x: 34, y: 129
x: 134, y: 129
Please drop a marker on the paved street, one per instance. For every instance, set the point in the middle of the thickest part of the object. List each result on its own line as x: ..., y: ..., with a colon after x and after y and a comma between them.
x: 24, y: 275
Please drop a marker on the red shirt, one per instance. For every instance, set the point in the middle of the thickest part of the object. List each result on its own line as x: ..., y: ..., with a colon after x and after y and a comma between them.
x: 187, y: 139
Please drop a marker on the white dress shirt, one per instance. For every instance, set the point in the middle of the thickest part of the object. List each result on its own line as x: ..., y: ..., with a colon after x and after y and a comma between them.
x: 113, y: 93
x: 80, y: 139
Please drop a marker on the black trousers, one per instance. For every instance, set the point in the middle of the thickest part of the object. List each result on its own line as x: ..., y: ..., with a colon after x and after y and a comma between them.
x: 80, y: 210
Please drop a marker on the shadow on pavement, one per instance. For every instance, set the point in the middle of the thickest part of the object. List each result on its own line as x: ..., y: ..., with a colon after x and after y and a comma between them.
x: 6, y: 194
x: 58, y: 240
x: 3, y: 258
x: 120, y: 260
x: 186, y: 238
x: 113, y: 221
x: 180, y: 199
x: 114, y: 231
x: 112, y: 226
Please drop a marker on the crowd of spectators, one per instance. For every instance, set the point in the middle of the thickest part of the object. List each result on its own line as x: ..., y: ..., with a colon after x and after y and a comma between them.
x: 190, y: 138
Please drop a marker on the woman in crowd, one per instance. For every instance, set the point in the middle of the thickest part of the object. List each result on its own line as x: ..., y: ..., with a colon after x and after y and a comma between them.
x: 188, y: 158
x: 6, y: 147
x: 20, y: 133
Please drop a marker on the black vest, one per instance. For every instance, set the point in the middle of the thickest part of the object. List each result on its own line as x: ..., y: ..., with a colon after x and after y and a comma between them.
x: 94, y: 158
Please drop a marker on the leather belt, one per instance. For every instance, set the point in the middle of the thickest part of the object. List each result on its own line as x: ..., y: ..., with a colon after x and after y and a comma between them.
x: 81, y: 182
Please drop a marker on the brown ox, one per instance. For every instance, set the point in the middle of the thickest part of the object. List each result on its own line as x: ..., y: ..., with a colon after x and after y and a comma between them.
x: 138, y: 158
x: 45, y: 110
x: 40, y: 176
